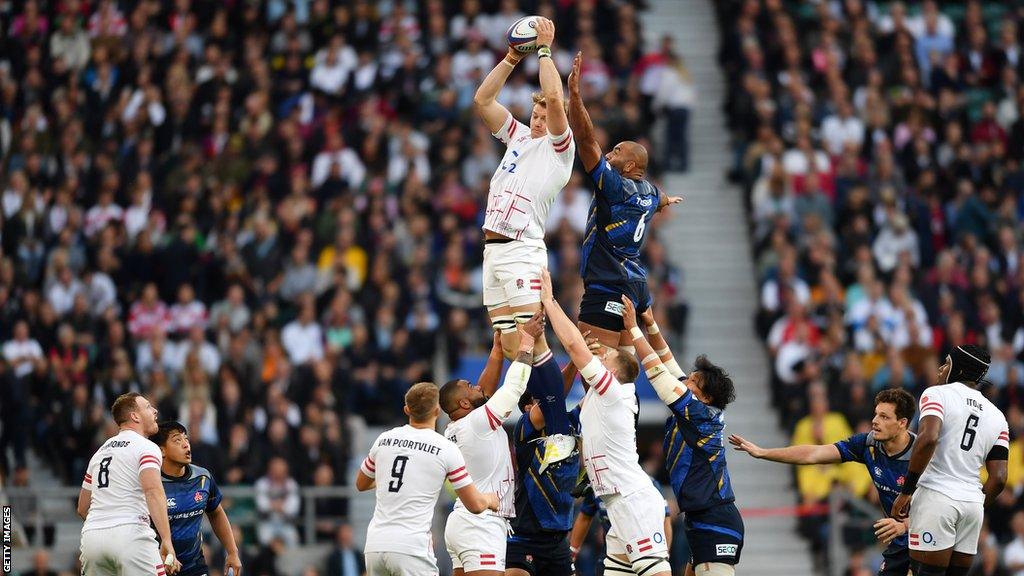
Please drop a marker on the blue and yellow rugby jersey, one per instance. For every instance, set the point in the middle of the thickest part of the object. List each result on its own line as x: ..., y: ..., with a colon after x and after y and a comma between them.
x: 616, y: 227
x: 887, y: 472
x: 188, y: 498
x: 544, y: 502
x: 695, y: 454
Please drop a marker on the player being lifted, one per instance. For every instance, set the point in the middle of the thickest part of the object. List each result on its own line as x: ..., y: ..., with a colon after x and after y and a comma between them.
x: 636, y: 509
x: 624, y: 204
x: 885, y: 452
x: 414, y: 462
x: 476, y: 542
x: 191, y: 492
x: 121, y: 493
x: 694, y: 447
x: 536, y: 165
x: 959, y: 430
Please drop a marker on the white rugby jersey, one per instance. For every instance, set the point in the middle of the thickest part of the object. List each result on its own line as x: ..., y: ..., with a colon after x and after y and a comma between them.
x: 609, y: 434
x: 971, y: 427
x: 113, y: 479
x: 410, y: 466
x: 531, y: 173
x: 484, y: 445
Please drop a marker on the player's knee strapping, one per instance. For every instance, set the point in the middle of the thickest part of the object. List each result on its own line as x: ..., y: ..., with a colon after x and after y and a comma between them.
x: 522, y: 317
x: 649, y: 565
x: 546, y: 386
x: 616, y: 567
x: 918, y: 568
x: 504, y: 324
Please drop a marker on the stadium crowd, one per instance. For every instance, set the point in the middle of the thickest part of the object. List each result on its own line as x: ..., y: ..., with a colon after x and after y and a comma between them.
x: 881, y: 146
x: 265, y: 216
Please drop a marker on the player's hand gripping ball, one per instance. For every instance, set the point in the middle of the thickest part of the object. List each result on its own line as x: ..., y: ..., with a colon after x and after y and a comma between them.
x: 522, y: 35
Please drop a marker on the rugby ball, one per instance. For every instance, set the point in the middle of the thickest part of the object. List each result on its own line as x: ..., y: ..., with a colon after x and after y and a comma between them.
x: 522, y: 35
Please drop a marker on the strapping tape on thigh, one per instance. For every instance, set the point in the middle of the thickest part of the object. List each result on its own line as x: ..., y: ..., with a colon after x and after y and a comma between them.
x: 504, y: 324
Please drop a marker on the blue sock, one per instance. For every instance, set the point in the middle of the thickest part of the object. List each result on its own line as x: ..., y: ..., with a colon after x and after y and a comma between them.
x: 546, y: 386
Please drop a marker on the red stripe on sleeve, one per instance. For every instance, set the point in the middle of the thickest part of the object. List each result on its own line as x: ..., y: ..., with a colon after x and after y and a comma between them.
x: 512, y: 128
x: 932, y: 406
x: 461, y: 477
x: 602, y: 385
x: 369, y: 465
x: 564, y: 145
x: 457, y: 470
x: 492, y: 420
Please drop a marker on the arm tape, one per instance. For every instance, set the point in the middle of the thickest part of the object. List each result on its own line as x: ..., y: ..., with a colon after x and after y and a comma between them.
x: 507, y: 396
x: 664, y: 384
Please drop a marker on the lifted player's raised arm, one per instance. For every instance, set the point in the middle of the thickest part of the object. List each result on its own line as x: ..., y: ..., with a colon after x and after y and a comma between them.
x: 551, y: 90
x: 485, y: 101
x: 579, y: 120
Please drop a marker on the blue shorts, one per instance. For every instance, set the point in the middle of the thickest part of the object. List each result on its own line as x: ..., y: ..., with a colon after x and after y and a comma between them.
x: 715, y: 534
x: 602, y: 303
x: 895, y: 560
x: 540, y: 555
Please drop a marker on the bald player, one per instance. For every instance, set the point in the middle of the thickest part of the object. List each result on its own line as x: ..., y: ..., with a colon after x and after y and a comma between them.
x: 624, y: 204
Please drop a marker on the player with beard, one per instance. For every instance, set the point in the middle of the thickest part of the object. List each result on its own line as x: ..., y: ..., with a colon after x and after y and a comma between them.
x: 192, y: 492
x: 476, y: 542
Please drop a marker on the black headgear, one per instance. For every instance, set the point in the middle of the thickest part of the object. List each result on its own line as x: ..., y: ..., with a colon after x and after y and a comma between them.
x: 968, y: 364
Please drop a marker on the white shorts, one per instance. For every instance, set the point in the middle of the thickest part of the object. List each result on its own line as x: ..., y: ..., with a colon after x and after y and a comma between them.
x: 512, y: 273
x: 476, y: 541
x: 938, y: 522
x: 125, y: 549
x: 398, y: 564
x: 638, y: 524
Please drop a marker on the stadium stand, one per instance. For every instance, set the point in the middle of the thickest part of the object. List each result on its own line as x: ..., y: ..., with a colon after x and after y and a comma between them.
x: 265, y: 216
x: 881, y: 146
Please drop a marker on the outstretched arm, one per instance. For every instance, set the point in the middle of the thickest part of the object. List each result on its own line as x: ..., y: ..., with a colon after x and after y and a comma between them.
x: 808, y: 454
x: 579, y: 120
x: 550, y: 81
x: 485, y: 100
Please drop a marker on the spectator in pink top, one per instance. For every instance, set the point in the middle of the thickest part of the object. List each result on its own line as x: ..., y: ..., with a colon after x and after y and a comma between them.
x: 147, y: 314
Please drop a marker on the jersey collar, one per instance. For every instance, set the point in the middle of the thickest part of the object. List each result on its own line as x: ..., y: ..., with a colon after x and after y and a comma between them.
x: 186, y: 476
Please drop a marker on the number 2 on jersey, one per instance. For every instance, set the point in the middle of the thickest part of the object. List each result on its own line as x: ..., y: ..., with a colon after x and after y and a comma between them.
x: 103, y: 478
x: 397, y: 472
x: 969, y: 433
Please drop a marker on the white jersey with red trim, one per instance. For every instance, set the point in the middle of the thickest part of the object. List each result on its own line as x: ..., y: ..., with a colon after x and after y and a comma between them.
x: 971, y: 427
x: 532, y: 172
x: 484, y: 445
x: 410, y: 466
x: 608, y: 422
x: 113, y: 479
